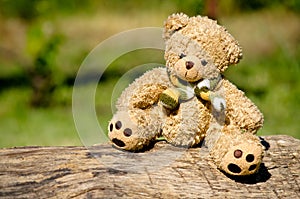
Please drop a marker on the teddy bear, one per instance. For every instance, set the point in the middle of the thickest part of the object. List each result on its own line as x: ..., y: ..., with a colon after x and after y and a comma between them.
x: 190, y: 100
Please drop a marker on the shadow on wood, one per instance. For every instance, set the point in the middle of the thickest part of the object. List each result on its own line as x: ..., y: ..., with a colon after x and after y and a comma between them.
x: 163, y: 172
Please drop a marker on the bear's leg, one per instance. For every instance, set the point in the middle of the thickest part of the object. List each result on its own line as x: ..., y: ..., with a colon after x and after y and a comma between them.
x: 187, y: 126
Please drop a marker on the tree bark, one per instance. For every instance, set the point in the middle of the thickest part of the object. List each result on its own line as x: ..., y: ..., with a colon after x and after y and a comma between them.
x: 162, y: 172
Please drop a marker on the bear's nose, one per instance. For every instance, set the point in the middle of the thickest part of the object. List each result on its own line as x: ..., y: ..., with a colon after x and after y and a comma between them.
x: 189, y: 65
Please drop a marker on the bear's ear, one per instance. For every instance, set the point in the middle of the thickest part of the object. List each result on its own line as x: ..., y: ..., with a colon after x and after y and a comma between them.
x: 173, y: 23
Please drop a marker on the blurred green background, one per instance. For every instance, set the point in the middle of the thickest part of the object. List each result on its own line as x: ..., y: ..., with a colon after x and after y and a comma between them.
x: 43, y: 43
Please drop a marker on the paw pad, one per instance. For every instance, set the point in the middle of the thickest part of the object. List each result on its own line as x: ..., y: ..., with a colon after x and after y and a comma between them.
x: 118, y: 125
x: 118, y: 142
x: 234, y: 168
x: 238, y: 153
x: 124, y: 133
x: 252, y: 167
x: 118, y: 134
x: 127, y: 132
x: 242, y: 160
x: 250, y: 158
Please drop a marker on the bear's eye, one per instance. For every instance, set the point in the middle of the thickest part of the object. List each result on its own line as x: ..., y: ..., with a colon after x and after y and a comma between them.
x: 203, y: 62
x: 182, y: 55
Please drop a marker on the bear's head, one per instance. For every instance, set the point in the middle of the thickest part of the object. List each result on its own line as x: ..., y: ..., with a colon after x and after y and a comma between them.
x: 198, y: 48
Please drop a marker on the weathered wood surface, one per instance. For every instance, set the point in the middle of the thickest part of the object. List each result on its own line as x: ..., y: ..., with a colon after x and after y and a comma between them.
x: 163, y: 172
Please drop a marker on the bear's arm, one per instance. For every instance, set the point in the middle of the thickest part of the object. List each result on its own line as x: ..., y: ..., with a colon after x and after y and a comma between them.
x: 241, y: 111
x: 147, y: 95
x: 145, y: 90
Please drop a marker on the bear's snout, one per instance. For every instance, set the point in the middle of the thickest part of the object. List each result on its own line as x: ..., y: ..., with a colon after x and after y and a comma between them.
x: 189, y: 65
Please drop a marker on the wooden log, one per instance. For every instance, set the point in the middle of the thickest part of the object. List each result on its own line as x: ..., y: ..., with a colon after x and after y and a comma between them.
x: 162, y: 172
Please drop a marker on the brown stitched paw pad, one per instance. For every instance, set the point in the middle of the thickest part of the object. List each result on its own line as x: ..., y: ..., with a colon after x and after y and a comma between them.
x: 243, y: 159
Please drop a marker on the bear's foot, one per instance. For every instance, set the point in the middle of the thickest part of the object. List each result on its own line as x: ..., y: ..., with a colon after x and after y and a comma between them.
x: 243, y: 159
x: 121, y: 130
x: 125, y: 134
x: 238, y: 154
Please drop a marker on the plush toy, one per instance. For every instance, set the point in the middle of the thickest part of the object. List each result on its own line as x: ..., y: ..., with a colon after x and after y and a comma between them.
x: 191, y: 100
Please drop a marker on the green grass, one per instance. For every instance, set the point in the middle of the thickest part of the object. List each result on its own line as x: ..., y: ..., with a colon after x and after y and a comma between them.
x: 21, y: 125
